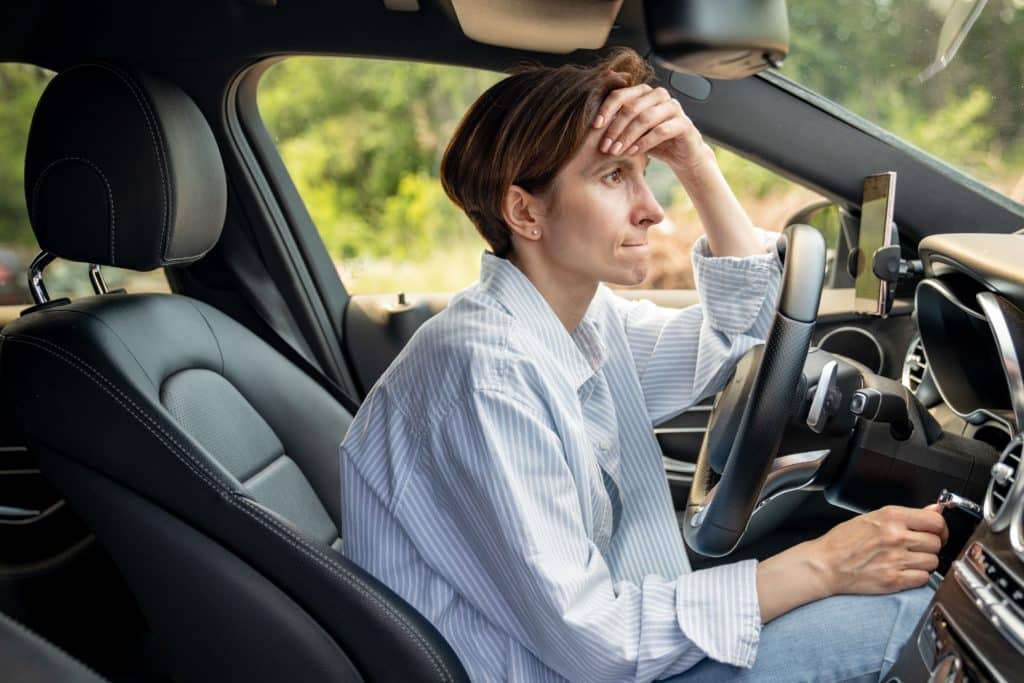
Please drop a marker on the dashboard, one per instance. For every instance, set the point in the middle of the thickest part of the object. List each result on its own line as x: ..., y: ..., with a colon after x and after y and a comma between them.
x: 970, y: 317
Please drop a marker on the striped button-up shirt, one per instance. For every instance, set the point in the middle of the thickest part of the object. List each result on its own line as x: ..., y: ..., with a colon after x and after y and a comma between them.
x: 503, y: 477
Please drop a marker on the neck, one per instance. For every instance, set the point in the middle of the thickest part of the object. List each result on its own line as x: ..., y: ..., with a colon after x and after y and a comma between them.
x: 568, y: 295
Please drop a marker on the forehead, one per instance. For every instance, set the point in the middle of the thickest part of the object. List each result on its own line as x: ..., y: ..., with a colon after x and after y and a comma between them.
x: 588, y: 152
x: 589, y: 157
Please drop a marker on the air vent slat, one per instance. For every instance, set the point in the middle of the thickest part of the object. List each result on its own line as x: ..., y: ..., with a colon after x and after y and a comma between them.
x: 1001, y: 486
x: 915, y: 365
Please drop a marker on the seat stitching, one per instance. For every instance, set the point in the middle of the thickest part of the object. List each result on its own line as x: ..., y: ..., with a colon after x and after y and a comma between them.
x: 109, y: 328
x: 165, y: 151
x: 57, y: 351
x: 302, y: 545
x: 151, y: 124
x: 106, y: 183
x: 299, y: 543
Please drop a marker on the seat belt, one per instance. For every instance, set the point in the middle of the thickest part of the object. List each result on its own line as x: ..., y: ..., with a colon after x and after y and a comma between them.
x: 291, y: 353
x: 273, y: 310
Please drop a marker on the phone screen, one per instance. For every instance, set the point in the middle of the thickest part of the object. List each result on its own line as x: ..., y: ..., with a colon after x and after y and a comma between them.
x: 870, y: 293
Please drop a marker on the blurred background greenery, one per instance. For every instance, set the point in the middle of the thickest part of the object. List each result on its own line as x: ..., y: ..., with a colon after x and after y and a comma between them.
x: 363, y: 139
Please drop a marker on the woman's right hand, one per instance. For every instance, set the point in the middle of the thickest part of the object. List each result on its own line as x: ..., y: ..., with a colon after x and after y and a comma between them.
x: 883, y: 551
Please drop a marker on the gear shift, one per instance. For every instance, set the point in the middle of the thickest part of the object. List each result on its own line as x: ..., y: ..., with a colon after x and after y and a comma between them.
x: 962, y: 517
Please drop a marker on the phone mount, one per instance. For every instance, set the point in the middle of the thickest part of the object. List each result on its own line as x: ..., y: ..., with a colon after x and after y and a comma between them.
x: 888, y: 265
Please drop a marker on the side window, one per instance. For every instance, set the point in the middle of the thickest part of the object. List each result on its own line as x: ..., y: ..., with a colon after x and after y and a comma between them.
x: 363, y: 140
x: 769, y: 199
x: 21, y: 85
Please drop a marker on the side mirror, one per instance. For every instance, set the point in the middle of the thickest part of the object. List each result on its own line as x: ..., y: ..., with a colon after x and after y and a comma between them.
x: 718, y: 38
x: 839, y: 228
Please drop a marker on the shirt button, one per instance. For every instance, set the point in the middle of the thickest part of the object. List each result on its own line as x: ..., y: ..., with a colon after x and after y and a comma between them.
x: 604, y: 446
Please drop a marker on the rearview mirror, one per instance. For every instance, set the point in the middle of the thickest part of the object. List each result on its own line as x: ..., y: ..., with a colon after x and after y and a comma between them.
x: 718, y: 38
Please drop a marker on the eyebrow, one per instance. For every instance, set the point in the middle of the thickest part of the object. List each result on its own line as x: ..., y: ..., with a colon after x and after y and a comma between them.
x: 617, y: 161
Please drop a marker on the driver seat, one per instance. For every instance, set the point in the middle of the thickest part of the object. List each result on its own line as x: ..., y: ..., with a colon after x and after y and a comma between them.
x: 204, y: 461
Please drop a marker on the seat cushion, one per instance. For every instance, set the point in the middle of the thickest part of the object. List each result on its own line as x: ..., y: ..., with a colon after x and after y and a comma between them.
x: 183, y: 407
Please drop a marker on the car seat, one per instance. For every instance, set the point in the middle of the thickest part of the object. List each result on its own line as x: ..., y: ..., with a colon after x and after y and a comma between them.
x: 205, y: 462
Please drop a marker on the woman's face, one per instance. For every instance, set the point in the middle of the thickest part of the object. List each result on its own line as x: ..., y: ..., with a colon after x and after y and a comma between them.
x: 597, y: 214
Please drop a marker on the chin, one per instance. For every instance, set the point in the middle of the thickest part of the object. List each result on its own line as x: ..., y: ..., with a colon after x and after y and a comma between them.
x: 631, y: 278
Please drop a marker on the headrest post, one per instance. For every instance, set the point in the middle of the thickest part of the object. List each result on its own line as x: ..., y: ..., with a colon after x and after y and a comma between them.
x: 96, y: 278
x: 35, y: 276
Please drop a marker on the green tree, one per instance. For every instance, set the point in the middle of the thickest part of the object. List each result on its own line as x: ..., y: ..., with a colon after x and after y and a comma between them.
x: 20, y: 88
x: 363, y: 141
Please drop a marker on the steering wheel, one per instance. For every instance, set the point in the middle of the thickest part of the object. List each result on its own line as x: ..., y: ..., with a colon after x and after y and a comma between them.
x: 750, y: 414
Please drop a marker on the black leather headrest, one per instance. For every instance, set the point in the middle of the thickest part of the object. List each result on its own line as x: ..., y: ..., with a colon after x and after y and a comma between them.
x: 122, y: 170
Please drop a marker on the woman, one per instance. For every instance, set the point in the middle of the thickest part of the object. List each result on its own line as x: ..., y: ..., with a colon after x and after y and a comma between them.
x: 503, y: 477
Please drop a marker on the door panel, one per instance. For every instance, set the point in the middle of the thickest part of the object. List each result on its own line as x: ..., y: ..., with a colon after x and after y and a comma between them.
x: 377, y: 328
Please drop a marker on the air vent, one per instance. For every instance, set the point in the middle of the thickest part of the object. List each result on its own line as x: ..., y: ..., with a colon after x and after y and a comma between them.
x: 1001, y: 485
x: 915, y: 365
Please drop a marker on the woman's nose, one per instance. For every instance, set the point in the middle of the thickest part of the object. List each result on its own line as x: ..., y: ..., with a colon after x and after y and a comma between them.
x: 648, y: 210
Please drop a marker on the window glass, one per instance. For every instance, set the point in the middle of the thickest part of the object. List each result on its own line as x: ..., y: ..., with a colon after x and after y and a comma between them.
x: 768, y: 198
x: 363, y: 140
x: 881, y: 59
x: 21, y: 85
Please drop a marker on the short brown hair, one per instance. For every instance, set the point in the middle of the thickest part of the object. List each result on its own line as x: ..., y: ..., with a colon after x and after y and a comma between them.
x: 523, y: 130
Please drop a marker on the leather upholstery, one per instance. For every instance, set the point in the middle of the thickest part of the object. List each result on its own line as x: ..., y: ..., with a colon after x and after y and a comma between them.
x: 195, y: 451
x: 24, y: 656
x: 121, y: 169
x: 103, y: 381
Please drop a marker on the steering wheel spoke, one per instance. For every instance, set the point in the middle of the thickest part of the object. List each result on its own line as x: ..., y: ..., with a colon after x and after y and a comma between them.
x: 747, y: 424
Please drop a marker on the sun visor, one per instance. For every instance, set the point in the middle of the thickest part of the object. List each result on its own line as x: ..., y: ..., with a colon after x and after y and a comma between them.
x: 558, y: 26
x: 718, y: 38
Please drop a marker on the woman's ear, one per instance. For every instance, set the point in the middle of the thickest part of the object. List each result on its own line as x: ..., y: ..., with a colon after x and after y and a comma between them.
x: 522, y: 212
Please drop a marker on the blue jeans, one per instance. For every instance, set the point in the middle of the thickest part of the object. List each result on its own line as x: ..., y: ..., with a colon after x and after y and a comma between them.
x: 843, y: 638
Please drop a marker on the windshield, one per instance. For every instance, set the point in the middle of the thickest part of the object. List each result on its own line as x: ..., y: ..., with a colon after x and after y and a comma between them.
x: 882, y: 59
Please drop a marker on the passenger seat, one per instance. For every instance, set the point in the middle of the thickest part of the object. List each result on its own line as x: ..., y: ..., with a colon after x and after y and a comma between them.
x: 204, y: 461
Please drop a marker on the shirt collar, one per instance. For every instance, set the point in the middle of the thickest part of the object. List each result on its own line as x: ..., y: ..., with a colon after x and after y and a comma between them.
x: 580, y: 354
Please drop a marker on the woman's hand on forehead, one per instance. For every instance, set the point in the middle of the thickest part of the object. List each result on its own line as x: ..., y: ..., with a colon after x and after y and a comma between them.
x: 645, y: 120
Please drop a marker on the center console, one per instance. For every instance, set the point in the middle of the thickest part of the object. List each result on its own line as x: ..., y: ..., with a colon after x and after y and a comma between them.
x: 974, y: 628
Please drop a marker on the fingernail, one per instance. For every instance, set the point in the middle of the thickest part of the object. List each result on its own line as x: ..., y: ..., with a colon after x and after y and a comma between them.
x: 633, y: 150
x: 616, y: 147
x: 599, y: 121
x: 605, y: 144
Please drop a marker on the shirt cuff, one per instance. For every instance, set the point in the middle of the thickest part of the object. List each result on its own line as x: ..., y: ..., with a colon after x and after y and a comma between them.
x: 733, y: 289
x: 719, y: 612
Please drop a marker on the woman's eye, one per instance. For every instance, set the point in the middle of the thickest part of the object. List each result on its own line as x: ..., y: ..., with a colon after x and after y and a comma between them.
x: 615, y: 176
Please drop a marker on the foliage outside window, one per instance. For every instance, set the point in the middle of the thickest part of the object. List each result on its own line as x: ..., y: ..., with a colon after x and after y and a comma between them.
x: 867, y: 56
x: 363, y: 140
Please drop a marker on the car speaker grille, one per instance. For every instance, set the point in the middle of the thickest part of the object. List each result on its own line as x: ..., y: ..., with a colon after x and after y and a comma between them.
x: 915, y: 365
x: 1001, y: 485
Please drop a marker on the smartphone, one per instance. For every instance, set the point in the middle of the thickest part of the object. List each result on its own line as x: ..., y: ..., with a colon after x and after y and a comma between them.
x: 871, y: 293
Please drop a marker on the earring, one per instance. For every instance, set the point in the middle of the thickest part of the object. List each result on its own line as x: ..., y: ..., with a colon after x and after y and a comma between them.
x: 536, y: 232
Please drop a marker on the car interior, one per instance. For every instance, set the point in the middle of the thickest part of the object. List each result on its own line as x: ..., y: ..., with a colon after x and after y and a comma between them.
x: 169, y: 478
